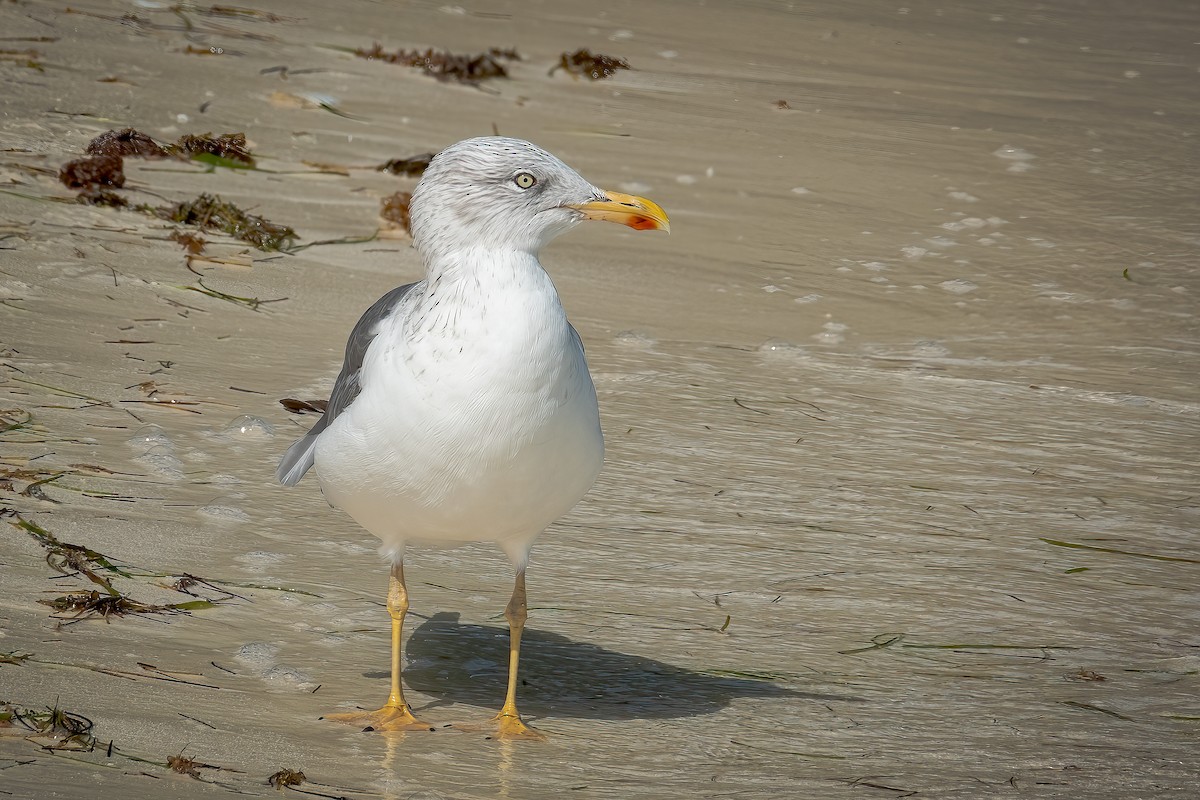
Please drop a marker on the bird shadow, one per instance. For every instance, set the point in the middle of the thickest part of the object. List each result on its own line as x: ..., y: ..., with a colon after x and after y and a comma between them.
x: 456, y: 662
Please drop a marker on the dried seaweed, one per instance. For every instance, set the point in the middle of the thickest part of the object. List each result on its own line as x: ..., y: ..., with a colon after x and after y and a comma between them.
x: 227, y: 149
x: 67, y: 558
x: 186, y: 582
x: 70, y: 559
x: 408, y: 167
x: 14, y: 419
x: 394, y: 211
x: 104, y: 168
x: 286, y: 778
x: 90, y: 605
x: 94, y: 604
x: 210, y: 212
x: 250, y: 302
x: 98, y: 196
x: 304, y: 406
x: 126, y: 142
x: 15, y: 657
x: 52, y: 729
x: 237, y: 12
x: 23, y: 58
x: 585, y: 63
x: 1117, y: 551
x: 190, y: 766
x: 445, y: 65
x: 230, y: 147
x: 93, y: 171
x: 193, y: 245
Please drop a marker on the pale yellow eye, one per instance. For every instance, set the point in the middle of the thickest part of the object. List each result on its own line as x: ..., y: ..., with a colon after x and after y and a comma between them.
x: 524, y: 180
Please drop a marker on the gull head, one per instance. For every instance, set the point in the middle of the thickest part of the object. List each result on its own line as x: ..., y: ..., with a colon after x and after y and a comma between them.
x: 498, y: 193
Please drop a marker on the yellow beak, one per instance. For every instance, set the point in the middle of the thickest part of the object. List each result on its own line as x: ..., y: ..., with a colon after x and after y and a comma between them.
x: 636, y: 212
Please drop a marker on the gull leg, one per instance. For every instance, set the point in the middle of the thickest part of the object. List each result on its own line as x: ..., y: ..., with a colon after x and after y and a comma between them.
x: 516, y: 613
x: 396, y: 714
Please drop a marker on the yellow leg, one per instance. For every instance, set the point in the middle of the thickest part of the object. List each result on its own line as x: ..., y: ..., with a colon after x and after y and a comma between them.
x: 396, y: 715
x: 516, y: 613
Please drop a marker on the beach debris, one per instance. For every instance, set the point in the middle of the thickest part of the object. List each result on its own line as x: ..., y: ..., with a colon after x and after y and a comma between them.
x: 93, y: 604
x: 585, y: 63
x: 93, y: 171
x: 99, y: 196
x: 210, y: 212
x: 23, y: 58
x: 237, y: 12
x: 72, y: 559
x: 190, y: 766
x: 251, y: 303
x: 413, y: 167
x: 286, y: 778
x: 103, y: 170
x: 444, y: 65
x: 226, y: 149
x: 304, y: 406
x: 52, y: 729
x: 66, y: 558
x: 14, y: 657
x: 186, y: 582
x: 193, y: 244
x: 394, y: 211
x: 126, y: 142
x: 14, y: 419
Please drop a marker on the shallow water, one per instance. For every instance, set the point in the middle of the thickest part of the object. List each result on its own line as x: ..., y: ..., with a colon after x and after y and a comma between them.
x: 901, y: 419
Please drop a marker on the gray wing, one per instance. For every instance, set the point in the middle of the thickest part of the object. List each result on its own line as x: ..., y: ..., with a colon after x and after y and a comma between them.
x: 299, y: 457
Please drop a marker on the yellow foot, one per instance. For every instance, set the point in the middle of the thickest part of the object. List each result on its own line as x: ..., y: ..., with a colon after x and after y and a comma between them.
x: 388, y: 718
x: 511, y: 727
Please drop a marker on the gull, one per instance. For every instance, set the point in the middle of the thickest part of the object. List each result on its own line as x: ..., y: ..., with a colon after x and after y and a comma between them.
x: 464, y: 410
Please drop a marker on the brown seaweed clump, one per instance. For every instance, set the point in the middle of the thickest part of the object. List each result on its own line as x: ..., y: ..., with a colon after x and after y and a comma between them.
x: 94, y: 604
x: 132, y: 142
x: 584, y: 63
x: 408, y: 167
x: 230, y: 146
x: 99, y: 196
x: 394, y: 211
x: 445, y: 65
x: 95, y: 177
x: 286, y: 778
x: 210, y: 212
x: 192, y: 244
x: 126, y: 142
x: 93, y: 171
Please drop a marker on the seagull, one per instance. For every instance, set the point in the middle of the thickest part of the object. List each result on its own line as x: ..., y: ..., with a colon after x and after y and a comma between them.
x: 464, y: 410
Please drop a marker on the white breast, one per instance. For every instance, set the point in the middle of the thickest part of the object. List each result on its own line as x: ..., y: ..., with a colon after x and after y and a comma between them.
x: 477, y: 419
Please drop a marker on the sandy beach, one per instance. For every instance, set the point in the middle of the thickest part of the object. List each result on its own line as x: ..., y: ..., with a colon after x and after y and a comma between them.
x: 900, y: 493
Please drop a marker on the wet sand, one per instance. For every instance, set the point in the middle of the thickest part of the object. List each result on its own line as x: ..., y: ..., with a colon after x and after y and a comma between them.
x: 901, y: 419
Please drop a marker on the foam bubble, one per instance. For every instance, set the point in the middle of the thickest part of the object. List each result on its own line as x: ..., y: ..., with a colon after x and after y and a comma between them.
x: 249, y: 427
x: 224, y: 513
x: 1009, y: 152
x: 958, y: 286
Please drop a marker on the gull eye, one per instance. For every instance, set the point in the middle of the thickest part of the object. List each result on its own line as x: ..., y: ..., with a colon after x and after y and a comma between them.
x: 524, y: 180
